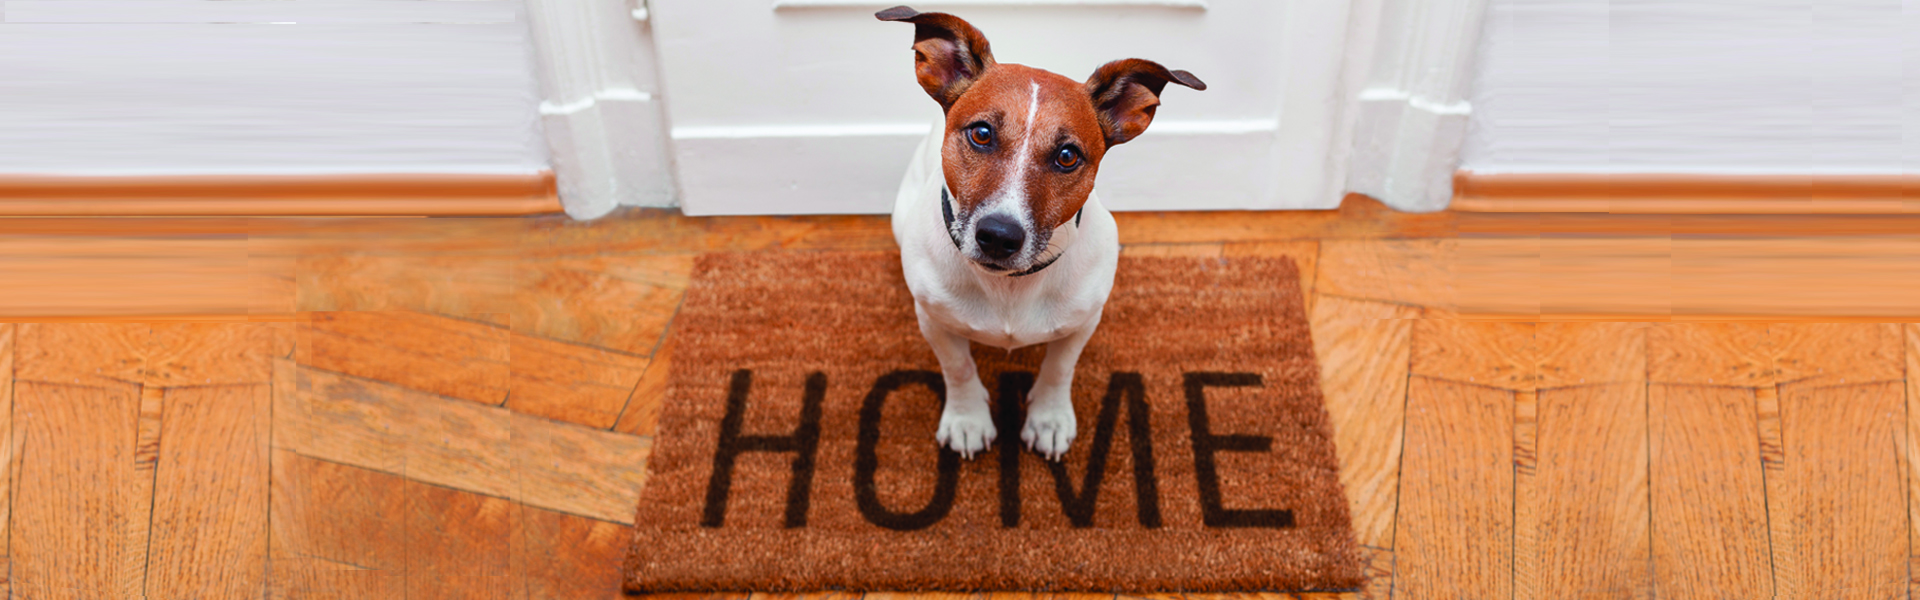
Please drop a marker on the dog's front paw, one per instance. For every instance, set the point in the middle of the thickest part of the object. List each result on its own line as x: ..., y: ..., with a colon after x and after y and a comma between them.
x: 966, y: 424
x: 1050, y: 427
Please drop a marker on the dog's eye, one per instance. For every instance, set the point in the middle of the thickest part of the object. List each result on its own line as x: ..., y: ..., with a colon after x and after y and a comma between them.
x: 1067, y: 158
x: 980, y: 135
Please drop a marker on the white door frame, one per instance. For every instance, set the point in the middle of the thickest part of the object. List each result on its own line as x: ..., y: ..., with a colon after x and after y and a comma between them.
x: 1410, y: 109
x: 600, y: 104
x: 1394, y: 132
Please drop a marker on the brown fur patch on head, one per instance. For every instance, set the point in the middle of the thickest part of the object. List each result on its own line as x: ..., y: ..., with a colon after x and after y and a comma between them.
x: 1027, y: 141
x: 949, y: 53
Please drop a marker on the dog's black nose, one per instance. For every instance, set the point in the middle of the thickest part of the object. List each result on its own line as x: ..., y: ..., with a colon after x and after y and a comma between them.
x: 999, y: 236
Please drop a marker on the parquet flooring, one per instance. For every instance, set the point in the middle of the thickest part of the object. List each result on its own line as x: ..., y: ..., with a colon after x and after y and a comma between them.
x: 1535, y: 407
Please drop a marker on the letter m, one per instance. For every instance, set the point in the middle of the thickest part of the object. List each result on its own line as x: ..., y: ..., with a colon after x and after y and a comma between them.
x: 1124, y: 390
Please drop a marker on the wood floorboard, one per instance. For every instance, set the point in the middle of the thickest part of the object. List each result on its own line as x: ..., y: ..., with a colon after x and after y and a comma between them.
x: 1581, y: 503
x: 571, y: 382
x: 1836, y: 353
x: 1380, y: 566
x: 1838, y: 483
x: 641, y: 414
x: 1583, y: 354
x: 319, y: 579
x: 205, y: 354
x: 210, y: 485
x: 75, y: 512
x: 455, y: 284
x: 1781, y: 535
x: 1707, y: 479
x: 463, y: 408
x: 1677, y: 277
x: 557, y: 555
x: 1728, y: 354
x: 83, y: 491
x: 202, y: 460
x: 336, y: 530
x: 82, y: 353
x: 1591, y: 514
x: 1911, y: 464
x: 458, y: 358
x: 617, y: 302
x: 1526, y: 495
x: 139, y: 487
x: 457, y: 543
x: 106, y: 275
x: 1417, y: 272
x: 1841, y: 493
x: 1708, y: 497
x: 9, y: 453
x: 1493, y: 354
x: 1455, y: 532
x: 200, y: 470
x: 1362, y: 348
x: 461, y: 445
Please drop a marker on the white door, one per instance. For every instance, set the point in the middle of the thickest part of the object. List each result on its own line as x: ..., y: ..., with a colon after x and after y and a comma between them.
x: 810, y: 106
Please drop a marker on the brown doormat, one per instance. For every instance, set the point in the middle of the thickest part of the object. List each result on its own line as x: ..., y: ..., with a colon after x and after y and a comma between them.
x: 796, y: 450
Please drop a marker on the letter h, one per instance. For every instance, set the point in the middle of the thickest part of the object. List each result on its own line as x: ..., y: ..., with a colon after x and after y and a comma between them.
x: 803, y: 442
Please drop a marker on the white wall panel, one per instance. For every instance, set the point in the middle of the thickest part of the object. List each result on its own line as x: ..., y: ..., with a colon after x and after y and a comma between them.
x: 1697, y: 86
x: 282, y: 86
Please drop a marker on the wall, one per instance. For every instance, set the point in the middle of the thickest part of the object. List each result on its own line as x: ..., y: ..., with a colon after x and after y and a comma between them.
x: 1668, y: 86
x: 267, y: 86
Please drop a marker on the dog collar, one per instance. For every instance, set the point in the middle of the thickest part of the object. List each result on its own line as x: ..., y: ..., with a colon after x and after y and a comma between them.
x: 946, y: 213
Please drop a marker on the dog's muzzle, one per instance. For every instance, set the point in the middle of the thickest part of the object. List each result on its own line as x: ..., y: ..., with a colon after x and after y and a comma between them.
x: 999, y: 241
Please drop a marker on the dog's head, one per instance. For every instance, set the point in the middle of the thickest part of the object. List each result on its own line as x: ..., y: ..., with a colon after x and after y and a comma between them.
x: 1022, y: 145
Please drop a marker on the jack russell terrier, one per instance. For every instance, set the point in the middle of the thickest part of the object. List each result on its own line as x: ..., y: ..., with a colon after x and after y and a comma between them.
x: 1001, y: 237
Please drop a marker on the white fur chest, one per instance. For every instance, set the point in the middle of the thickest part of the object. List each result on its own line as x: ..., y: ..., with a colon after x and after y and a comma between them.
x: 1011, y: 317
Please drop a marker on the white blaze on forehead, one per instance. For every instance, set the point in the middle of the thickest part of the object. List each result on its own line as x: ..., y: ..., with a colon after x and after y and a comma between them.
x: 1033, y: 107
x: 1013, y: 191
x: 1011, y: 198
x: 1026, y: 132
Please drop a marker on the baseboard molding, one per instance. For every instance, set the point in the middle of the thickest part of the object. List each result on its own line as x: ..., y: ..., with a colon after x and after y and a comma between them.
x: 279, y: 195
x: 1637, y: 193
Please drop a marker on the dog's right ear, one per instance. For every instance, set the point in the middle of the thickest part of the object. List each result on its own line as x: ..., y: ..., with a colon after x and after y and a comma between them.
x: 948, y: 53
x: 1126, y: 92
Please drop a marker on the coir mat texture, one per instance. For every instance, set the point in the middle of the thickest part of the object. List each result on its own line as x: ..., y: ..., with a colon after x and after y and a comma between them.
x: 796, y: 450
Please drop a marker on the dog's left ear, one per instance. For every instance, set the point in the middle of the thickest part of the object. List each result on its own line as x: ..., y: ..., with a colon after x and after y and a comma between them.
x: 1126, y: 92
x: 949, y: 54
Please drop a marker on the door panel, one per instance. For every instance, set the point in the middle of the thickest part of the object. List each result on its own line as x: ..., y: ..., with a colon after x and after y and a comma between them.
x: 810, y: 106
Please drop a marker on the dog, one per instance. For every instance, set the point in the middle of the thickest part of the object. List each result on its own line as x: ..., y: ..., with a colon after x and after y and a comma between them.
x: 1002, y: 239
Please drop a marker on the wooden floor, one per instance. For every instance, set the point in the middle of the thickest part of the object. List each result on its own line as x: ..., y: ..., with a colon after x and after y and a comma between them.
x: 1526, y: 406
